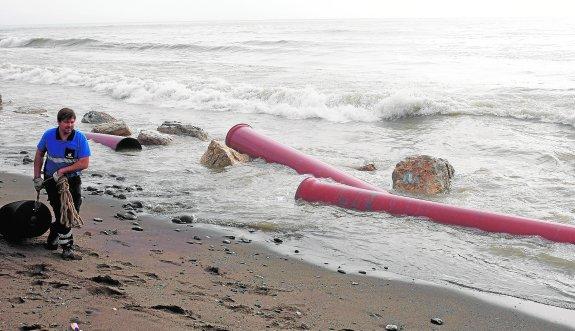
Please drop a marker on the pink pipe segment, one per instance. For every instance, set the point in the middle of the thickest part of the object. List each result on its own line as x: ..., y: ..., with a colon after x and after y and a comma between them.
x: 313, y: 190
x: 117, y: 143
x: 244, y: 139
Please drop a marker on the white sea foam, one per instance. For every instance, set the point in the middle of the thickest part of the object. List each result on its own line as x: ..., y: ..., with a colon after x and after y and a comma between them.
x: 216, y: 94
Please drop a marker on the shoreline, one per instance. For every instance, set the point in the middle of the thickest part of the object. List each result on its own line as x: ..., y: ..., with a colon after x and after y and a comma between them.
x: 165, y: 277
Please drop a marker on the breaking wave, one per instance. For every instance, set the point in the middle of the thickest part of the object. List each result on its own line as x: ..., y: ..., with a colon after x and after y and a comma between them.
x: 214, y: 94
x: 15, y: 42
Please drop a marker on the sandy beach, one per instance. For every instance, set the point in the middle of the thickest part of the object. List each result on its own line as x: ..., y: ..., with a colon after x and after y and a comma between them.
x: 180, y: 276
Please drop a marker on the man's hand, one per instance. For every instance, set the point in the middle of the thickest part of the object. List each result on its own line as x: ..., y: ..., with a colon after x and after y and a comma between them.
x: 57, y: 176
x: 38, y: 183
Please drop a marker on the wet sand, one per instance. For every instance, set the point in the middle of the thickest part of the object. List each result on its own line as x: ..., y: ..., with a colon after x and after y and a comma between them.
x: 183, y: 276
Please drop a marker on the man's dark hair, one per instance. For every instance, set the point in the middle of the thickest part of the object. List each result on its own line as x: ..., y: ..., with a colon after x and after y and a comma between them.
x: 66, y: 114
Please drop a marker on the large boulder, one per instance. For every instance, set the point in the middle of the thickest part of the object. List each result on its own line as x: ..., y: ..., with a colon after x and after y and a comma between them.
x: 149, y: 137
x: 97, y: 117
x: 177, y: 128
x: 116, y: 128
x: 219, y: 155
x: 423, y: 174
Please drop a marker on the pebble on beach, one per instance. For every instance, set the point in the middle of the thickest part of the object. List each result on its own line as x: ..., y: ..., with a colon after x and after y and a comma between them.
x: 437, y: 321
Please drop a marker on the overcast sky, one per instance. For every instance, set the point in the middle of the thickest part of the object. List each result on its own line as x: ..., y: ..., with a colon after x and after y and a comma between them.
x: 25, y: 12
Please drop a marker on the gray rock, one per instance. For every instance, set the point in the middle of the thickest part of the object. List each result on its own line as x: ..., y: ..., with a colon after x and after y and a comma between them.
x: 126, y: 216
x: 148, y: 137
x: 177, y: 128
x: 27, y: 160
x: 116, y: 128
x: 97, y: 117
x: 137, y: 228
x: 423, y: 174
x: 391, y: 327
x: 98, y: 219
x: 136, y: 204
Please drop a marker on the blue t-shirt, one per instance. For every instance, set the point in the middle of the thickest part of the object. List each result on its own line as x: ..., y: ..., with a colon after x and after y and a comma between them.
x: 62, y: 153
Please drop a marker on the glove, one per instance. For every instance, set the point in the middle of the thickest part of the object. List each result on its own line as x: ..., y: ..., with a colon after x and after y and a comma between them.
x: 38, y: 183
x: 56, y: 177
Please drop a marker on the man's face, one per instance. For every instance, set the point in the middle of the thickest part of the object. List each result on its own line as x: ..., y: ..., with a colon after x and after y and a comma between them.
x: 66, y: 126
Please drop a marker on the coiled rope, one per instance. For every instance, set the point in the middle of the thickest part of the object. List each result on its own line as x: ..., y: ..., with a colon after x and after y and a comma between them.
x: 69, y: 217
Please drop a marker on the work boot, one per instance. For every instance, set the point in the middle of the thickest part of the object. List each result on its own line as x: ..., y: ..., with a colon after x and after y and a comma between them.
x: 52, y: 241
x: 68, y: 254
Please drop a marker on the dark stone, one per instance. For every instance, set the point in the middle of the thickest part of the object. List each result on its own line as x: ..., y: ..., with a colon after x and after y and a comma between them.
x: 362, y: 272
x: 367, y: 167
x: 27, y: 160
x: 171, y: 309
x: 391, y: 327
x: 278, y: 241
x: 137, y: 204
x: 106, y: 290
x: 137, y: 228
x: 341, y: 271
x: 186, y: 219
x: 437, y: 321
x: 106, y: 279
x: 214, y: 270
x: 230, y: 237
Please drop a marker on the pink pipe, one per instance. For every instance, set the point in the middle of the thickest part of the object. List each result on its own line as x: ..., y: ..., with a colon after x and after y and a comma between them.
x: 313, y: 190
x: 117, y: 143
x: 244, y: 139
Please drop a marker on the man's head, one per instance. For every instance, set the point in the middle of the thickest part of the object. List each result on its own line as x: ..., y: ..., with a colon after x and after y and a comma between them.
x: 66, y: 119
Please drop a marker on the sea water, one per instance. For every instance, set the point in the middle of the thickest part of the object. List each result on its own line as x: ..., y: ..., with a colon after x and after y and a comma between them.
x: 495, y: 97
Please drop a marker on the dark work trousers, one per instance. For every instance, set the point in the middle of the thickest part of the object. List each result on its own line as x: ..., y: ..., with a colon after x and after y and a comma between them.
x: 59, y: 234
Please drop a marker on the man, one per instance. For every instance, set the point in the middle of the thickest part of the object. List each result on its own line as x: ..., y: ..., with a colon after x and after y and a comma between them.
x: 68, y: 153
